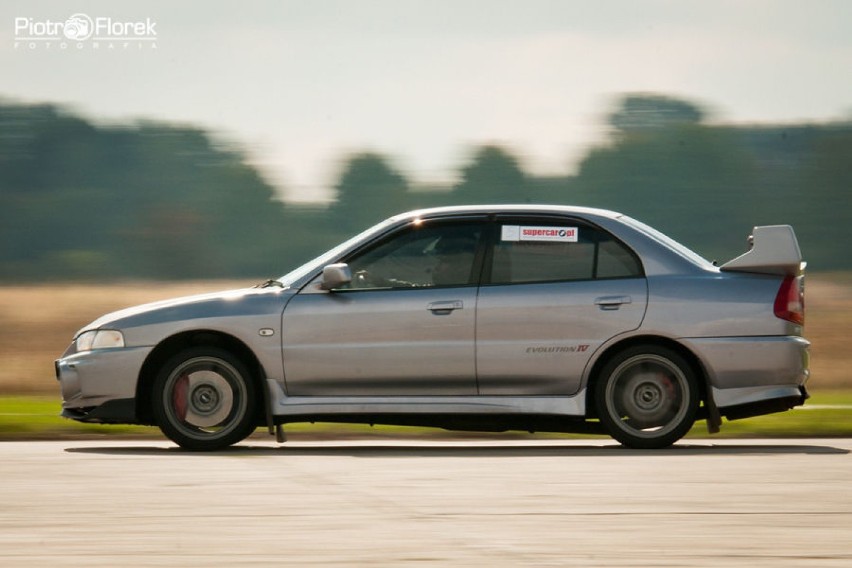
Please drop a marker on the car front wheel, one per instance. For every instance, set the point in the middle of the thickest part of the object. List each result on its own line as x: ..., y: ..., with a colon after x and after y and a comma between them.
x: 204, y: 399
x: 647, y: 397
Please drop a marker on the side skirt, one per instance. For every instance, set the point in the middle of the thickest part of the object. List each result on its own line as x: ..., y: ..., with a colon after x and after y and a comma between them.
x: 471, y: 413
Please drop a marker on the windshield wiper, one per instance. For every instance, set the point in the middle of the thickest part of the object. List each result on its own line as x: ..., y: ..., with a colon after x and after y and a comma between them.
x: 270, y: 284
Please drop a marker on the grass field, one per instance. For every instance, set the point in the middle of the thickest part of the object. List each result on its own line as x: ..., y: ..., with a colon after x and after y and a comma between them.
x: 37, y: 323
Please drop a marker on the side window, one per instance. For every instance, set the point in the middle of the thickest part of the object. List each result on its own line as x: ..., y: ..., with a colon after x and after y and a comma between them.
x: 615, y: 260
x: 422, y: 256
x: 550, y: 251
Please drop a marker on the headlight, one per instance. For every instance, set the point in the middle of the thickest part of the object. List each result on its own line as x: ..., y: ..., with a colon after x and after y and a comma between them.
x: 99, y: 339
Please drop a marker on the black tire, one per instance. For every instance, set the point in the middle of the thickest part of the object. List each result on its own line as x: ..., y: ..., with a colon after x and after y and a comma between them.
x: 647, y: 397
x: 205, y: 399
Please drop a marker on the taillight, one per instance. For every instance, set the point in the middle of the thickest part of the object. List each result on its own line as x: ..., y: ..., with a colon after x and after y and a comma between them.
x: 790, y: 300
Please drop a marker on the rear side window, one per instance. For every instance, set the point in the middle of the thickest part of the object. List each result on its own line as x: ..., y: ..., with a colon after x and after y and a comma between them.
x: 549, y: 251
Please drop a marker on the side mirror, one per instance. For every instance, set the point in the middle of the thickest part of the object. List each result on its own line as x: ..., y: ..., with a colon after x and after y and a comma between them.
x: 335, y: 276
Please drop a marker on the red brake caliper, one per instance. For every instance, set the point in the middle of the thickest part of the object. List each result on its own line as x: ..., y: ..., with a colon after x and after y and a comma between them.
x: 669, y: 385
x: 179, y: 396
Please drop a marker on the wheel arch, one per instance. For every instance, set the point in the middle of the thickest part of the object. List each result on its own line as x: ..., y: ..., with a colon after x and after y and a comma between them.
x: 695, y: 364
x: 195, y: 338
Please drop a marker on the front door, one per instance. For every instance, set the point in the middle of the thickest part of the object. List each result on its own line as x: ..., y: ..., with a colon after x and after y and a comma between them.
x: 405, y: 325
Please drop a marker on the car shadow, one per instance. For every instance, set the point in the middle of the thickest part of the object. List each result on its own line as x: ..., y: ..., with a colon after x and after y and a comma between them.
x: 465, y: 449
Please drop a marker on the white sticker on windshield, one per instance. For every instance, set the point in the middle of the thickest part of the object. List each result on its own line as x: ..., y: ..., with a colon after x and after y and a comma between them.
x: 547, y: 234
x: 511, y: 233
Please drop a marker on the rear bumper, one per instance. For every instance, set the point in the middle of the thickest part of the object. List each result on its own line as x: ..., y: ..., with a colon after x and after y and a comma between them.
x: 761, y: 363
x: 751, y: 376
x: 745, y: 403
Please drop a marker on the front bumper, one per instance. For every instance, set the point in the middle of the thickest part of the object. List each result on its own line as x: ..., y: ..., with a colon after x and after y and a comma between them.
x: 118, y: 411
x: 100, y: 385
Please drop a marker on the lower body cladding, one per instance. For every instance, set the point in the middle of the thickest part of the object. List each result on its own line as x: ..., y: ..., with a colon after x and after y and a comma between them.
x: 471, y: 413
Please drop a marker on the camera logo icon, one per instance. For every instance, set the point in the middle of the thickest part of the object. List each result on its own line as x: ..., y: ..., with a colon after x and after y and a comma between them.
x: 79, y: 27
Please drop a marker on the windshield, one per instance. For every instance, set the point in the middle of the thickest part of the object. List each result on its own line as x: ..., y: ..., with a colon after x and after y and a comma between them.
x: 316, y: 264
x: 667, y: 241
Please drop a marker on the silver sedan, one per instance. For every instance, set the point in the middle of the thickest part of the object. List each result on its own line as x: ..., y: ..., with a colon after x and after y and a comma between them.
x: 537, y: 318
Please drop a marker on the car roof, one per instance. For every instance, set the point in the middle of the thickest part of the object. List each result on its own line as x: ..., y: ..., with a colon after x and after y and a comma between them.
x: 509, y: 208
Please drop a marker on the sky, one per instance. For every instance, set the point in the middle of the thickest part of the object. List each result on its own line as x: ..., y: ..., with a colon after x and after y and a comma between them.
x: 300, y: 85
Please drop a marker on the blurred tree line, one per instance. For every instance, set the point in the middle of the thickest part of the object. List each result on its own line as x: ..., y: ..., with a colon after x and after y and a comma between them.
x: 152, y: 200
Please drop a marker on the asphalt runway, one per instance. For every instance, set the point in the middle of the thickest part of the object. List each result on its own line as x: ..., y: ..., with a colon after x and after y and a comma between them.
x: 399, y: 503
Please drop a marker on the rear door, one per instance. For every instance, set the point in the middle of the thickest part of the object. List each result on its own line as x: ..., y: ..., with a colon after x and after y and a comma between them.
x: 555, y: 290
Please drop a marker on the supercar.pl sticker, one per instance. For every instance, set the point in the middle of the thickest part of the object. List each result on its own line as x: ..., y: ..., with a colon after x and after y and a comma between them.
x: 548, y: 234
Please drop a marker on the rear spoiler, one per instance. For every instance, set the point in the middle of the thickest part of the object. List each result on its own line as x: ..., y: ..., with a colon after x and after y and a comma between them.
x: 774, y: 250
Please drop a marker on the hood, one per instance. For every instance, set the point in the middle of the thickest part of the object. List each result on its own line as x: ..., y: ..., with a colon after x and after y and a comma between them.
x: 243, y: 301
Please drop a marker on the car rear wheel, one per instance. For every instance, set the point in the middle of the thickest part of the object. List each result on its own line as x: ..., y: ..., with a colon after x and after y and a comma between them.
x: 204, y: 399
x: 647, y: 397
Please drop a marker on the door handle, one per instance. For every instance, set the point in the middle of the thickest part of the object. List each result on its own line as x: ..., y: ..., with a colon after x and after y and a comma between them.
x: 440, y: 308
x: 612, y: 302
